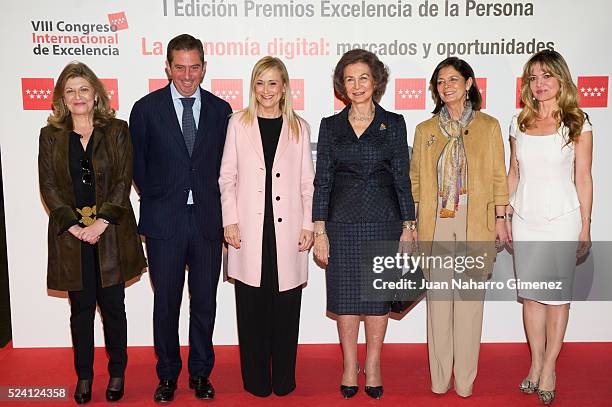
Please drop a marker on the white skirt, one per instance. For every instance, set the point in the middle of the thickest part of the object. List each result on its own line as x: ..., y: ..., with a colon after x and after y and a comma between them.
x: 545, y: 256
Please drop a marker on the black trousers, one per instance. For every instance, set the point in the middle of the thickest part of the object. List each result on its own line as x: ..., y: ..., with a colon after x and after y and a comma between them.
x: 82, y: 314
x: 268, y: 326
x: 168, y: 259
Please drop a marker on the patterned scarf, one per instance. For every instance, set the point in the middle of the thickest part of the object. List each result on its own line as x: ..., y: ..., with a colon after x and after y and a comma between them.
x: 452, y: 176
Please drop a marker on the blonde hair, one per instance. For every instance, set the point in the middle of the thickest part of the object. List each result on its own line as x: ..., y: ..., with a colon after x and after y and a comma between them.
x: 568, y: 114
x: 61, y: 117
x: 250, y: 112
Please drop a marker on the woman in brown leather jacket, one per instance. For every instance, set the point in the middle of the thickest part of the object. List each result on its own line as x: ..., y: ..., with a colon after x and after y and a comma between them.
x: 85, y: 174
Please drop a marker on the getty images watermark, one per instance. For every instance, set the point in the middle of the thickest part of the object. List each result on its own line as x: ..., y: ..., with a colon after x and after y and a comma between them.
x: 543, y: 271
x: 410, y: 264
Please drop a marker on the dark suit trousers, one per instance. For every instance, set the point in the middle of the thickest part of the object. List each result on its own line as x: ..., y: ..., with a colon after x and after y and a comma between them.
x: 268, y: 326
x: 82, y: 314
x: 168, y: 259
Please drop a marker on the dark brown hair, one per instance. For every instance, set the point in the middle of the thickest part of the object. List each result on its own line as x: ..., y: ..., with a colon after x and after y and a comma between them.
x: 380, y: 73
x: 184, y: 42
x: 466, y: 72
x: 102, y: 112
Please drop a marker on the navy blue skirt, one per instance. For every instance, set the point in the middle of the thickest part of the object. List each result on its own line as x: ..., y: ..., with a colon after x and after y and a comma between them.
x: 343, y: 278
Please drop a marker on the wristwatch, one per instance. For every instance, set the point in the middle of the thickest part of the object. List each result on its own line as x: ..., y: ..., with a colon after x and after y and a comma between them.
x: 410, y: 225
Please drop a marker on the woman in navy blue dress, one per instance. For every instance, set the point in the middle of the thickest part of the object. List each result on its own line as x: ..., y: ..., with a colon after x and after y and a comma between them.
x: 362, y: 193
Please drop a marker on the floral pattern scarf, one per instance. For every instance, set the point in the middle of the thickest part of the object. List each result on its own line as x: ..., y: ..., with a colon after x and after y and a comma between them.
x: 452, y: 174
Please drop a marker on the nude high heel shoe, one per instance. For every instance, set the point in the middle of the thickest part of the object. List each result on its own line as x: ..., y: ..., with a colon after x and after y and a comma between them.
x: 547, y: 396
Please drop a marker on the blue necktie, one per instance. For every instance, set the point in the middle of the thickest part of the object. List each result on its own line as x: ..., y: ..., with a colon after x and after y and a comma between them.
x: 189, y: 125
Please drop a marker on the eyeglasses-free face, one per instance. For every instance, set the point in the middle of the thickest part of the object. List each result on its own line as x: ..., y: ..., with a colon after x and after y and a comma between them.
x: 358, y: 82
x: 452, y: 86
x: 84, y: 92
x: 544, y: 86
x: 269, y: 90
x: 186, y: 71
x: 79, y: 96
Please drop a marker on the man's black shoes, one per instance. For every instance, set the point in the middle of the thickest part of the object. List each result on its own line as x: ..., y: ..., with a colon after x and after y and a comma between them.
x: 203, y: 389
x: 165, y: 391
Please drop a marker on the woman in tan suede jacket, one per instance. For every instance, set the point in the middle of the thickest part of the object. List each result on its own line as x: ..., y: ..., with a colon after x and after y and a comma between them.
x: 459, y: 188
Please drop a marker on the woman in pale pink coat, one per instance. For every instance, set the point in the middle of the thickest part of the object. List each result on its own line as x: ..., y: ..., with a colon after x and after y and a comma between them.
x: 266, y: 186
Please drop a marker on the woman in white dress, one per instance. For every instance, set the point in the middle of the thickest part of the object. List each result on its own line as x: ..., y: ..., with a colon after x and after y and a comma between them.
x: 551, y: 190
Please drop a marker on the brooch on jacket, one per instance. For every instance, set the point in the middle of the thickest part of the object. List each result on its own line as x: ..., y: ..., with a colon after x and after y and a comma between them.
x: 382, y: 127
x: 431, y: 140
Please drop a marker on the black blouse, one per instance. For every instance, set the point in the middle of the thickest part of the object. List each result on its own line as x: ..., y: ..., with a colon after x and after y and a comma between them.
x: 83, y: 176
x: 270, y: 130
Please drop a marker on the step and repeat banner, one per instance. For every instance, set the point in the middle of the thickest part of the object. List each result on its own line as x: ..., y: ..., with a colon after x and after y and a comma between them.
x: 124, y: 42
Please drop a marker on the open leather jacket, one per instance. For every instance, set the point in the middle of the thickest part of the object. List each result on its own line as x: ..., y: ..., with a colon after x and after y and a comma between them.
x: 120, y: 250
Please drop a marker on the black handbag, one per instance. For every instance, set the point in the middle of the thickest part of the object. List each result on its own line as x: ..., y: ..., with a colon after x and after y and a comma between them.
x: 399, y: 305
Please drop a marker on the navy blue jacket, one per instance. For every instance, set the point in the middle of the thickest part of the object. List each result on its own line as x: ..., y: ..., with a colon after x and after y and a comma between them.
x: 163, y: 170
x: 363, y: 179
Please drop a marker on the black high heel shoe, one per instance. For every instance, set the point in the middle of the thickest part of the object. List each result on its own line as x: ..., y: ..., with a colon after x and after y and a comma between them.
x: 114, y: 390
x: 82, y: 393
x: 375, y: 392
x: 349, y: 391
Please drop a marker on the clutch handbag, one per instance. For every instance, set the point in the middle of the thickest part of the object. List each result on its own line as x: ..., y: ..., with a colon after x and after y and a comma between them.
x: 399, y: 304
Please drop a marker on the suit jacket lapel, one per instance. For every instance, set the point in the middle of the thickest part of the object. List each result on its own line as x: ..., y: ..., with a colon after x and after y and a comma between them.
x: 435, y: 141
x: 469, y: 142
x: 342, y: 122
x: 202, y: 134
x: 98, y: 135
x: 379, y: 124
x: 283, y: 141
x: 62, y: 162
x: 169, y: 115
x: 254, y: 136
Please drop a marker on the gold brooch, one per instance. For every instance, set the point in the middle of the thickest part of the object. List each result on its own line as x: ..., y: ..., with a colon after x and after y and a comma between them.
x: 382, y: 127
x: 431, y: 140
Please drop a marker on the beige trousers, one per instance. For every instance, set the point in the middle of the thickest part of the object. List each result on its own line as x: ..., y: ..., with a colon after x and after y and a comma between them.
x: 454, y: 326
